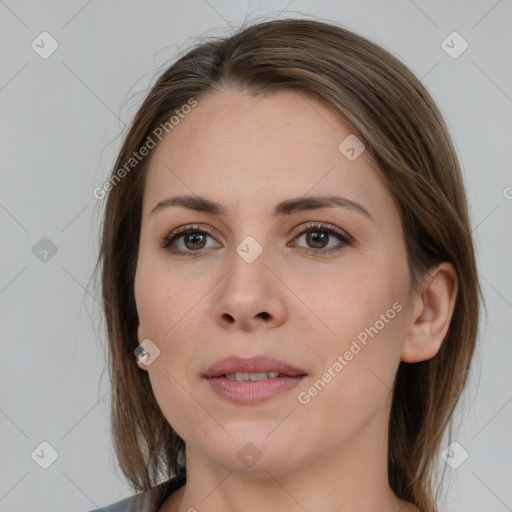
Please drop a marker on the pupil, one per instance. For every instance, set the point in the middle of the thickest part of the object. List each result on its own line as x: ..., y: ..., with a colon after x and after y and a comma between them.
x: 194, y: 237
x: 317, y: 239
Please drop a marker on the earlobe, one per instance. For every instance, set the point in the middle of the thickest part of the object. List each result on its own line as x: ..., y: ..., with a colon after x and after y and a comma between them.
x: 431, y: 313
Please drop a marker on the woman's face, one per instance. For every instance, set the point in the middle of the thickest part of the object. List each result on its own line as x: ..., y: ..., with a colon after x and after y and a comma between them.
x: 251, y: 282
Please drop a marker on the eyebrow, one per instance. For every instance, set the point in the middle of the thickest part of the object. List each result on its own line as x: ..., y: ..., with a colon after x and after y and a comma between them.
x: 287, y: 207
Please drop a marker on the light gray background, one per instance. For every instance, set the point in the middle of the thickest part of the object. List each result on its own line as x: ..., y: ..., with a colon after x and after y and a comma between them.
x: 60, y: 125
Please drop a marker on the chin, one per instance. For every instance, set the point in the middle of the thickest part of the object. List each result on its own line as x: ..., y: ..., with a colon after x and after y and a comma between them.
x: 255, y: 454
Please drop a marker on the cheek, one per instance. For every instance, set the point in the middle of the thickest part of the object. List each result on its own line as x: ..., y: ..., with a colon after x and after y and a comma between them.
x: 356, y: 373
x: 168, y: 320
x: 164, y: 320
x: 364, y: 311
x: 342, y: 303
x: 174, y: 398
x: 162, y: 299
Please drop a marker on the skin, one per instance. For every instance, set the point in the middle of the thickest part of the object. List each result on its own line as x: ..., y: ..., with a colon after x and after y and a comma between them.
x: 249, y: 153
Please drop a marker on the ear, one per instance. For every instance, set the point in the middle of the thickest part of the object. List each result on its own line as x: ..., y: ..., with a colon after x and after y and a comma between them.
x: 431, y: 313
x: 140, y: 338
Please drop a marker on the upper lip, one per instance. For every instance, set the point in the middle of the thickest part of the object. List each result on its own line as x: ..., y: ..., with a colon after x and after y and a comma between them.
x: 257, y: 364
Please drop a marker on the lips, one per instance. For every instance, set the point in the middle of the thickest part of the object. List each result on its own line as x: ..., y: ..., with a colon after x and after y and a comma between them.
x: 257, y: 364
x: 248, y: 386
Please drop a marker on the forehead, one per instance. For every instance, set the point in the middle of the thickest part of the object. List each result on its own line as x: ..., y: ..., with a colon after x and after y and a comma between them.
x: 263, y: 150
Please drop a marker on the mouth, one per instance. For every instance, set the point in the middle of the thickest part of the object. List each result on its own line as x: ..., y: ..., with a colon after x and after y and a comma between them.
x: 253, y: 377
x: 252, y: 381
x: 254, y: 368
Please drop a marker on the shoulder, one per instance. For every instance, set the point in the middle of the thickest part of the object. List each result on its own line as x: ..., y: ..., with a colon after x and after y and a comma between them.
x: 125, y: 505
x: 140, y: 502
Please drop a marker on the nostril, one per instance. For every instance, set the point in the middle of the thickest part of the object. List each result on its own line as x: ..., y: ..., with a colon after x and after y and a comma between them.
x: 229, y: 318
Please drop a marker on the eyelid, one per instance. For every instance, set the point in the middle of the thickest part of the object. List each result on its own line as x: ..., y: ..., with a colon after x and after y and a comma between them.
x: 190, y: 227
x: 320, y: 225
x: 297, y: 230
x: 166, y: 241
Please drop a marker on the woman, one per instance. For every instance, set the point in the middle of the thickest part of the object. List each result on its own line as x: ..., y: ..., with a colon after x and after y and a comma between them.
x: 288, y: 278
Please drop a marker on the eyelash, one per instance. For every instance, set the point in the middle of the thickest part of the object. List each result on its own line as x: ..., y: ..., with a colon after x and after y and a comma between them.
x: 165, y: 242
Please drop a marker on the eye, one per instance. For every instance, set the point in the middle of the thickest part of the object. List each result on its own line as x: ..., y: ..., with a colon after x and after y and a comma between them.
x: 193, y: 239
x: 318, y: 235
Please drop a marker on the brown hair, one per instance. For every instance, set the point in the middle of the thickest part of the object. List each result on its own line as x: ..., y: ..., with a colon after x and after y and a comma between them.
x: 397, y: 120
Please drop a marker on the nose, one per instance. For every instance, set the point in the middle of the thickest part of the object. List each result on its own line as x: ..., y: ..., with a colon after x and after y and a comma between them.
x: 250, y: 297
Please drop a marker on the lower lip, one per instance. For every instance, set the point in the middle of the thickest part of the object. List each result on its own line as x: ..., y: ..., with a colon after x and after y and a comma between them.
x: 253, y: 392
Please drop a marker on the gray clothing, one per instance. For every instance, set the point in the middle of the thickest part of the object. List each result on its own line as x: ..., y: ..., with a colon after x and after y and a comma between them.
x: 129, y: 505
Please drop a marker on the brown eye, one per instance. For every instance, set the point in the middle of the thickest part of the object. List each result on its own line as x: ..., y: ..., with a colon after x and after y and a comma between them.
x: 192, y: 238
x: 318, y: 236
